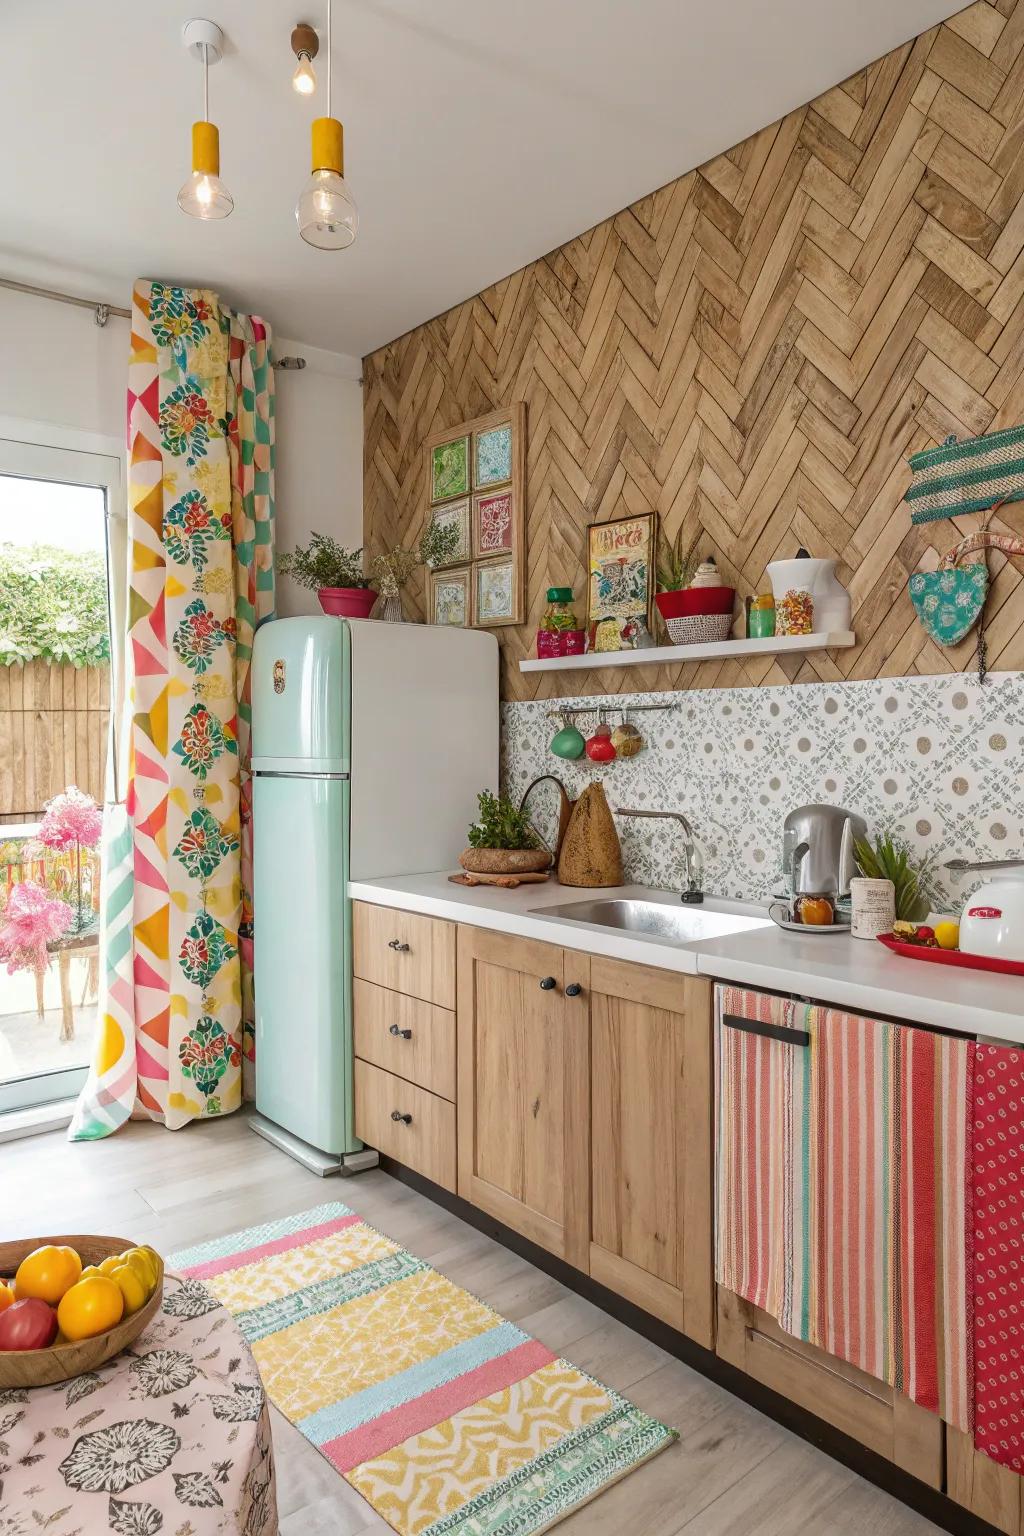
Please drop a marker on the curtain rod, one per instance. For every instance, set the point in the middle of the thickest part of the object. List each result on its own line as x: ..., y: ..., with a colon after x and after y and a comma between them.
x: 102, y: 311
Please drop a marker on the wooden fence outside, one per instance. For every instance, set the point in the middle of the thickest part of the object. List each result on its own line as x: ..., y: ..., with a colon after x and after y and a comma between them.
x: 53, y: 732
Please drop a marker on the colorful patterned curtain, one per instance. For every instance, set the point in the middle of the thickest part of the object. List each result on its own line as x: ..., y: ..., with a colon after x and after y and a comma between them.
x: 175, y: 1031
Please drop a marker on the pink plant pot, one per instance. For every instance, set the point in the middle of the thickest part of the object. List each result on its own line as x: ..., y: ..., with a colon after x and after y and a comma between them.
x: 347, y: 602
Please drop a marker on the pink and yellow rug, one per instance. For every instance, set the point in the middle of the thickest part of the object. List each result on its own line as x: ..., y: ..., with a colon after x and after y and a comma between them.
x: 448, y: 1419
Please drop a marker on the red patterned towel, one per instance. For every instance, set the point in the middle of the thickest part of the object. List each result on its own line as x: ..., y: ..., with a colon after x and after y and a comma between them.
x: 998, y: 1253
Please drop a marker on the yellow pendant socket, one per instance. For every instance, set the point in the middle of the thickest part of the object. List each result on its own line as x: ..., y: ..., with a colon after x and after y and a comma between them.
x: 206, y: 148
x: 328, y: 145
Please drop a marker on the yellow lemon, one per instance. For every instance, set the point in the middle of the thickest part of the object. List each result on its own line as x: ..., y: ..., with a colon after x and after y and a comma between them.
x: 90, y: 1307
x: 132, y: 1287
x: 947, y: 934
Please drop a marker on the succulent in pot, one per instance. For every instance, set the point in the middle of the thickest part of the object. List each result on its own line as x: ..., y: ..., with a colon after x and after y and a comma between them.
x: 334, y: 573
x: 502, y: 841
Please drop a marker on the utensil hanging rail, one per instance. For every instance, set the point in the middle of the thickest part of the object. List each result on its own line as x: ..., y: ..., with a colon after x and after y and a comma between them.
x: 604, y: 709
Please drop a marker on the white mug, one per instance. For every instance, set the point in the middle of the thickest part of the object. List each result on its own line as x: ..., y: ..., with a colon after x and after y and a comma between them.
x: 874, y: 907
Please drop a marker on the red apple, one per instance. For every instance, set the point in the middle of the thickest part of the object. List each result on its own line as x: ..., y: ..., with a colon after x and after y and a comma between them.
x: 28, y: 1324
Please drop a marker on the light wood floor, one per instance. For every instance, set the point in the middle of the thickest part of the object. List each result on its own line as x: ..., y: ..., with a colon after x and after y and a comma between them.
x: 733, y: 1472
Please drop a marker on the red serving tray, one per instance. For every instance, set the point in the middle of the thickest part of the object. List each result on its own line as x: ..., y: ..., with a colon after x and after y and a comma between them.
x: 952, y: 957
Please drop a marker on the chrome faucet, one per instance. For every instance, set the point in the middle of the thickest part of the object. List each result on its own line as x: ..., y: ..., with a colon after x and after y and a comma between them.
x: 691, y: 892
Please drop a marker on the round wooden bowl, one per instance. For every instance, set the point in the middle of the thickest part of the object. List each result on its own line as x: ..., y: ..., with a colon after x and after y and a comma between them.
x: 505, y: 861
x: 64, y: 1358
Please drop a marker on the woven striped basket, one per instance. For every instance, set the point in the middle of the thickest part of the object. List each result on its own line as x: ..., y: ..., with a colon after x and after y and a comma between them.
x: 966, y: 477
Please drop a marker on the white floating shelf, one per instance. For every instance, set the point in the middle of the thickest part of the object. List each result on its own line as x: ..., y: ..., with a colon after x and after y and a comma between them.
x: 719, y: 650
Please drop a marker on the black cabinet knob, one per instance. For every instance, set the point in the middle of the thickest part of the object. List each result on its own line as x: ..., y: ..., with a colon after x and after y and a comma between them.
x: 573, y: 989
x: 546, y: 983
x: 398, y: 947
x: 406, y: 1034
x: 396, y: 1114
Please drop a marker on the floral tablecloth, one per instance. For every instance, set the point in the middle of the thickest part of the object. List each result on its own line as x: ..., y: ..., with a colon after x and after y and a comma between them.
x: 172, y: 1436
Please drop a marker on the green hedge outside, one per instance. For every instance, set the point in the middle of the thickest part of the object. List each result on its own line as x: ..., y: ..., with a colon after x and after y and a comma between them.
x: 53, y: 606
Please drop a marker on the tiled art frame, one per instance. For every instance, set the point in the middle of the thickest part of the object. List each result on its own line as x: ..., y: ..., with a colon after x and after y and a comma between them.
x: 495, y: 445
x: 442, y: 581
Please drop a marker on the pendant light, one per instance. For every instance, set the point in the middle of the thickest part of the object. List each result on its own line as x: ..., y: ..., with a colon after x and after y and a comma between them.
x: 204, y: 195
x: 305, y: 46
x: 326, y: 212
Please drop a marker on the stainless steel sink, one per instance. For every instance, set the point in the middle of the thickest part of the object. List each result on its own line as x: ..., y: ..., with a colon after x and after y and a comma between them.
x: 655, y: 919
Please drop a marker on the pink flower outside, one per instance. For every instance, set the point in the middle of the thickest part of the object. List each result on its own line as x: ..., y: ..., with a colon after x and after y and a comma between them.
x: 31, y: 920
x: 70, y: 818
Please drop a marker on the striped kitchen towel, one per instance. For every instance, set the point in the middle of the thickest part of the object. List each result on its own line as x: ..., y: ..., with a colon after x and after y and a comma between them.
x: 842, y: 1190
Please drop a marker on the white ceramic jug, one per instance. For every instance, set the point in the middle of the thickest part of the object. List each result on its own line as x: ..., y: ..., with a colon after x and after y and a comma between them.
x: 832, y: 610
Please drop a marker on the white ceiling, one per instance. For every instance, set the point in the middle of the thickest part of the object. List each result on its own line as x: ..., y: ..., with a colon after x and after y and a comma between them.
x: 478, y: 135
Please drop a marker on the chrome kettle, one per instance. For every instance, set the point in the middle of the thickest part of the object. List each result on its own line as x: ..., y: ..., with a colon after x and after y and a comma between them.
x: 817, y: 850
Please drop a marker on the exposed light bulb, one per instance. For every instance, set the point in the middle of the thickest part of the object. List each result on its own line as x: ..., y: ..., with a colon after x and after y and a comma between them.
x: 204, y: 196
x: 326, y: 212
x: 304, y: 78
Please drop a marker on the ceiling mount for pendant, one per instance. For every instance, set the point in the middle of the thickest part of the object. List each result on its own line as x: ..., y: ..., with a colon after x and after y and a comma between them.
x: 204, y: 40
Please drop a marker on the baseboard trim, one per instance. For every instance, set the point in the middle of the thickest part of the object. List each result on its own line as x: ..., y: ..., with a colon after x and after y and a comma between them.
x: 931, y: 1503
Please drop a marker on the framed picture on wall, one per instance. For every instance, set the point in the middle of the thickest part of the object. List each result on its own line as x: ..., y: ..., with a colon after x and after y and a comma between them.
x: 492, y: 455
x: 495, y: 598
x: 620, y: 569
x: 493, y: 523
x: 455, y: 514
x: 450, y: 598
x: 449, y: 467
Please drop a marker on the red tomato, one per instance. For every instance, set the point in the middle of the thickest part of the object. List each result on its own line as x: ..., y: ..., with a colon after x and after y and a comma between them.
x: 28, y: 1324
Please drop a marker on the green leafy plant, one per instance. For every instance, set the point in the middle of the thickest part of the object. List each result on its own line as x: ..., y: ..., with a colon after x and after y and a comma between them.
x: 439, y: 544
x: 501, y: 825
x: 324, y: 563
x: 887, y: 858
x: 676, y: 564
x: 53, y: 606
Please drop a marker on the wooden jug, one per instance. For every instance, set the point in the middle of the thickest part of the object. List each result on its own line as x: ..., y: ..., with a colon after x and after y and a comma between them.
x: 590, y: 854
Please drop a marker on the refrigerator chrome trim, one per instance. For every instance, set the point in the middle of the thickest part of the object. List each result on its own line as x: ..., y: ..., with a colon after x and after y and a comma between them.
x: 294, y: 773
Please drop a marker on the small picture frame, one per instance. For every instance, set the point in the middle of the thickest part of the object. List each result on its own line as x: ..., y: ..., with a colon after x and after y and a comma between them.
x: 494, y: 531
x: 496, y: 599
x: 450, y: 598
x: 492, y: 455
x: 449, y: 469
x: 620, y: 569
x: 456, y: 512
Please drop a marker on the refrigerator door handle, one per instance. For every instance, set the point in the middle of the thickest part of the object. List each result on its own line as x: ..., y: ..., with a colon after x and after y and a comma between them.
x: 293, y: 773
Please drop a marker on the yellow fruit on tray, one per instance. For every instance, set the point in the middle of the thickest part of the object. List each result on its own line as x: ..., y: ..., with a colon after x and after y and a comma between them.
x: 947, y: 935
x: 89, y: 1271
x: 132, y: 1287
x: 90, y: 1307
x: 138, y: 1260
x: 6, y: 1295
x: 47, y: 1273
x: 107, y: 1266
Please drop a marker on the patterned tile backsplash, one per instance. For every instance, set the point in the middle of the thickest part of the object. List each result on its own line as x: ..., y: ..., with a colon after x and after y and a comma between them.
x: 937, y: 760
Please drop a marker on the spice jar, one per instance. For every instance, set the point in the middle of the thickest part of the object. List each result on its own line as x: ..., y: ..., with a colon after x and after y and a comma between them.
x: 761, y: 619
x: 794, y: 614
x: 559, y: 633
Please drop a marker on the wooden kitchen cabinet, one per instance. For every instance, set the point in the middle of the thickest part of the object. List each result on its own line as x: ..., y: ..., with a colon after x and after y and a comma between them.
x: 651, y: 1081
x: 523, y: 1088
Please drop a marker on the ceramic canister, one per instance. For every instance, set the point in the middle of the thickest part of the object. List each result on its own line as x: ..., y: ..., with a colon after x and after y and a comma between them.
x: 874, y: 907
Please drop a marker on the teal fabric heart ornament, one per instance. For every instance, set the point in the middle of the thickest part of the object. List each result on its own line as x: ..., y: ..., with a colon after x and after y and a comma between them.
x: 949, y: 602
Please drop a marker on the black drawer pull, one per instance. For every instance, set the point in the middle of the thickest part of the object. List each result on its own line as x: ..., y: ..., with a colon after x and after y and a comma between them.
x: 406, y: 1034
x: 769, y: 1031
x: 573, y: 989
x: 398, y: 947
x: 547, y: 983
x: 396, y: 1114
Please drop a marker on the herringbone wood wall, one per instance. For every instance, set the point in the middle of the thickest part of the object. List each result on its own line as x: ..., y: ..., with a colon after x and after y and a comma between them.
x: 755, y: 350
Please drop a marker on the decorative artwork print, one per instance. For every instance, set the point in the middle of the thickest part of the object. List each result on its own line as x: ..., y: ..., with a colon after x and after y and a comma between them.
x: 449, y: 469
x: 620, y: 557
x: 495, y: 597
x: 492, y: 455
x: 449, y: 598
x: 457, y: 513
x: 492, y: 523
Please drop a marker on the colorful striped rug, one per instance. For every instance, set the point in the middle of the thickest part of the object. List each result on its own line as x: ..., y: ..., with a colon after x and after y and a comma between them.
x: 448, y: 1419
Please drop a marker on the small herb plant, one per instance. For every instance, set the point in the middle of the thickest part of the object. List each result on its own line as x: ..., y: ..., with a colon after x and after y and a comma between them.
x: 439, y: 544
x: 324, y: 563
x: 501, y: 825
x: 889, y: 859
x: 676, y: 565
x: 391, y: 571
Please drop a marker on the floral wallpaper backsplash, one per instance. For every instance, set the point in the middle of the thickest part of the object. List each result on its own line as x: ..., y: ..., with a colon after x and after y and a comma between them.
x: 937, y: 760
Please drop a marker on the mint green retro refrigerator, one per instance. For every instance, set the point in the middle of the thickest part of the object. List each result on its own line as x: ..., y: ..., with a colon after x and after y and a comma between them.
x: 370, y: 743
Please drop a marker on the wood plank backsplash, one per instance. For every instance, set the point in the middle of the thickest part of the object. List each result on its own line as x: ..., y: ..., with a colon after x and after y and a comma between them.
x: 753, y: 351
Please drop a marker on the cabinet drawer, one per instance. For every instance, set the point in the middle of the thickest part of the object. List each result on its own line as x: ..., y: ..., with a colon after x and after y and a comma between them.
x: 410, y: 1038
x: 868, y: 1410
x: 404, y: 952
x: 426, y: 1143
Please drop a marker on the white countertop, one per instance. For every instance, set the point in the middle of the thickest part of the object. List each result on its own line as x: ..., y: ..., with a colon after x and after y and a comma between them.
x: 851, y: 973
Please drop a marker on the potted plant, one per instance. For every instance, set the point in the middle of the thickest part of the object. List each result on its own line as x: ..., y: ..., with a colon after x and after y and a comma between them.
x: 391, y: 571
x: 334, y: 573
x: 502, y: 841
x: 675, y: 570
x: 887, y: 858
